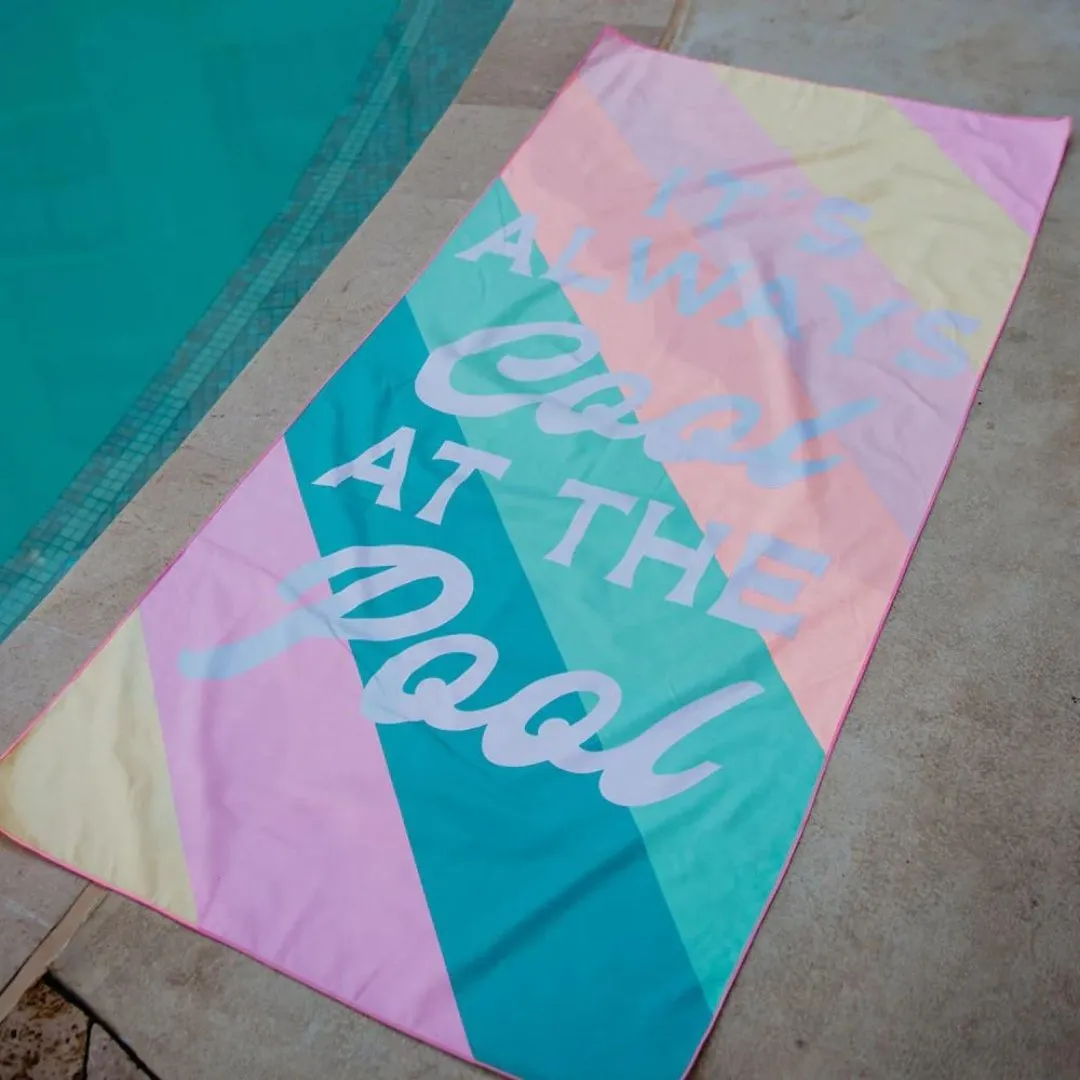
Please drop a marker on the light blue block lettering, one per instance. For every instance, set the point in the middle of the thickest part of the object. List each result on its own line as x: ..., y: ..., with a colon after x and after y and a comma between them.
x: 684, y: 268
x: 843, y: 238
x: 749, y: 576
x: 561, y: 270
x: 852, y: 321
x: 952, y: 359
x: 772, y: 466
x: 734, y: 189
x: 659, y: 205
x: 776, y: 301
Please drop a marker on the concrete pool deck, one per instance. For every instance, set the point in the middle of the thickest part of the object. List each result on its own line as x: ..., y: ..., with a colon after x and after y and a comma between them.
x: 928, y: 926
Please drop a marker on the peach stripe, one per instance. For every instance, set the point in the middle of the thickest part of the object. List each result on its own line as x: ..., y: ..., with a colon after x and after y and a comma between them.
x: 689, y: 358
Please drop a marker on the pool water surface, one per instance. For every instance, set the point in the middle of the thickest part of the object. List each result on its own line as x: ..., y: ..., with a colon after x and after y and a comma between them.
x: 173, y: 178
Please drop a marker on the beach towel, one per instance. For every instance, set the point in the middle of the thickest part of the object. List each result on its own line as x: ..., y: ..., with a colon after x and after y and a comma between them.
x: 493, y: 701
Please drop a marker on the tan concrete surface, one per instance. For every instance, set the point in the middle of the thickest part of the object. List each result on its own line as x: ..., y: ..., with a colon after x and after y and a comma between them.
x: 534, y: 53
x: 465, y: 153
x: 54, y: 943
x: 538, y: 46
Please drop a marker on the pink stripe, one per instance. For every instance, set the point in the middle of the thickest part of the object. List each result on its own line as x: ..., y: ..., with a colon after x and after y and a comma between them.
x: 295, y: 844
x: 689, y: 118
x: 1013, y: 159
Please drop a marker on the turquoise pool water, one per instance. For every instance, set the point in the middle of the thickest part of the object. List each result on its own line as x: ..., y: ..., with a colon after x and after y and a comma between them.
x: 174, y: 175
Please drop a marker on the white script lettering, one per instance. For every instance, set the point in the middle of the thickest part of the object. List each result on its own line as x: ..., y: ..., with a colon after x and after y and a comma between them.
x: 771, y: 465
x: 627, y: 772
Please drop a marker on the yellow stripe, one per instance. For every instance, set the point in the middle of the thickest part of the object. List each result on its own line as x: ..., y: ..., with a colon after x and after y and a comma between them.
x: 937, y: 232
x: 90, y: 783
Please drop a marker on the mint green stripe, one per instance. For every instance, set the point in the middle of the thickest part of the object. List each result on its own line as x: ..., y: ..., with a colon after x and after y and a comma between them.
x: 718, y: 849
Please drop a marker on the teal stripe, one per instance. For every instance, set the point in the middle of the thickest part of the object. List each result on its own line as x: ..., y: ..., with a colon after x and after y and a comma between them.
x: 718, y: 849
x: 561, y: 950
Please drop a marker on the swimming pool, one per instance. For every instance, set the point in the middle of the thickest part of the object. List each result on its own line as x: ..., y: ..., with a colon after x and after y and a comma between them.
x: 173, y: 178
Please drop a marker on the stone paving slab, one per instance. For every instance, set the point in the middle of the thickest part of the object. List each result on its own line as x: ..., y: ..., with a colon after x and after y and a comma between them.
x: 107, y: 1060
x: 48, y: 1037
x: 45, y: 1038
